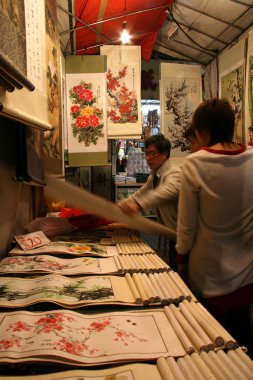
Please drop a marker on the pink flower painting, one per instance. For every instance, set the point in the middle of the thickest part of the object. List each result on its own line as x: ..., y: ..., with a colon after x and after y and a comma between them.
x: 122, y: 102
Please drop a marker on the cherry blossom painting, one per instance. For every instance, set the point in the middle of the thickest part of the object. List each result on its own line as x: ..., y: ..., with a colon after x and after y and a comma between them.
x: 123, y: 90
x: 72, y: 338
x: 51, y: 264
x: 122, y: 102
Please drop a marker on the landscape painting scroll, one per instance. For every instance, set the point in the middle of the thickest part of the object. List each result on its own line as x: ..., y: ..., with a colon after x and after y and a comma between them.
x: 232, y: 87
x: 249, y: 92
x: 180, y: 95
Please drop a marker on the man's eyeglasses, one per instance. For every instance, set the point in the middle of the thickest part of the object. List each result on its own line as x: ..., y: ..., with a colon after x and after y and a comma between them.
x: 151, y: 153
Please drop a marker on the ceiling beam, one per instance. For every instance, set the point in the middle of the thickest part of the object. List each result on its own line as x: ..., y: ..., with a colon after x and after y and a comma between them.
x: 115, y: 18
x: 238, y: 36
x: 179, y: 53
x: 237, y: 18
x: 207, y: 14
x: 116, y: 41
x: 200, y: 32
x: 242, y: 3
x: 86, y: 25
x: 193, y: 47
x: 71, y: 35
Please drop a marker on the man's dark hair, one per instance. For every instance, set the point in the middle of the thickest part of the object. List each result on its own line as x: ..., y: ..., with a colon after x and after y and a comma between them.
x: 162, y: 144
x: 217, y: 117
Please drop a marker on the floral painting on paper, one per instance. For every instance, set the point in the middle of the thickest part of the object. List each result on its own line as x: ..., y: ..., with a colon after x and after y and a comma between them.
x: 72, y: 337
x: 123, y: 90
x: 86, y: 113
x: 122, y: 101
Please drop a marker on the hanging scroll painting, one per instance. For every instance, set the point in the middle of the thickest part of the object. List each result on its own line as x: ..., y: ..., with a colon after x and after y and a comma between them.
x: 53, y: 144
x: 13, y: 33
x: 180, y: 95
x: 123, y: 90
x: 249, y: 93
x: 232, y: 89
x: 86, y: 112
x: 231, y: 69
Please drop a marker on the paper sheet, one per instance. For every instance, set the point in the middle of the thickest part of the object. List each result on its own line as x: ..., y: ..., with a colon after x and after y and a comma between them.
x: 76, y: 197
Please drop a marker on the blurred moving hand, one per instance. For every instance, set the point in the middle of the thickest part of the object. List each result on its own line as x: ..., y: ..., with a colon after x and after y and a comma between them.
x: 129, y: 206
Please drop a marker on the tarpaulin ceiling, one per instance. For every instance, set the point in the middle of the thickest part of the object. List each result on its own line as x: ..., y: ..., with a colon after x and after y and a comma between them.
x: 99, y: 22
x: 204, y: 28
x: 185, y: 30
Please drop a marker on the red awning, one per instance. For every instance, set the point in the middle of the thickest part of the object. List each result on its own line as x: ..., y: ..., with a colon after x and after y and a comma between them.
x: 104, y: 23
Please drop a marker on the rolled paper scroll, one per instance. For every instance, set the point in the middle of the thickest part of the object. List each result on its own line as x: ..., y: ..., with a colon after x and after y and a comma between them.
x: 188, y: 372
x: 152, y: 290
x: 164, y: 369
x: 230, y: 364
x: 226, y: 374
x: 207, y: 323
x: 245, y: 358
x: 74, y: 196
x: 129, y: 264
x: 181, y: 285
x: 187, y: 344
x: 193, y: 367
x: 205, y: 371
x: 211, y: 364
x: 186, y: 310
x: 118, y: 265
x: 160, y: 264
x: 147, y: 263
x: 163, y: 288
x: 146, y: 287
x: 158, y: 291
x: 178, y: 295
x: 133, y: 288
x: 143, y: 263
x: 177, y: 373
x: 141, y: 290
x: 122, y: 263
x: 230, y: 342
x: 189, y: 330
x: 247, y: 370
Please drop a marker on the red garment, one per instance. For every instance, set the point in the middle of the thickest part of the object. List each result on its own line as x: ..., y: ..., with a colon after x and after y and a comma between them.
x: 82, y: 219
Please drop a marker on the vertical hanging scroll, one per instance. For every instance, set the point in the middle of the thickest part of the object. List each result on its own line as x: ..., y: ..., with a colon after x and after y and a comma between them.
x: 249, y: 92
x: 232, y: 87
x: 123, y: 90
x: 53, y: 141
x: 180, y: 94
x: 86, y: 111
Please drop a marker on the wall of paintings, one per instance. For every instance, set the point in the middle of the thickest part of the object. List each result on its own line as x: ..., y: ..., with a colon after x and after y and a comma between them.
x: 28, y: 32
